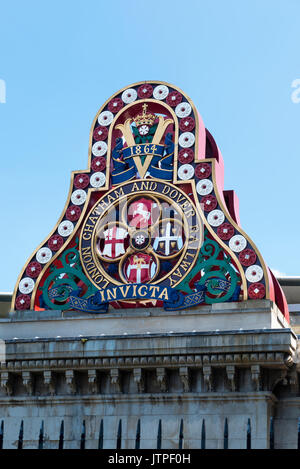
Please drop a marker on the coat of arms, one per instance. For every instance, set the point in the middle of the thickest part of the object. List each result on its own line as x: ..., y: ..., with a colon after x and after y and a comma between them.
x: 148, y: 220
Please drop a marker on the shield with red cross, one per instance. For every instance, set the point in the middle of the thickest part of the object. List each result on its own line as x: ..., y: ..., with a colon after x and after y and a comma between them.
x: 140, y: 268
x: 114, y: 239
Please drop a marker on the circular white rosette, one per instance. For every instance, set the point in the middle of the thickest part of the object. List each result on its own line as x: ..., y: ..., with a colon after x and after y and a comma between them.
x: 204, y: 187
x: 97, y: 179
x: 183, y: 109
x: 65, y: 228
x: 254, y: 273
x: 160, y: 92
x: 78, y: 197
x: 128, y: 96
x: 186, y: 140
x: 99, y: 148
x: 26, y: 285
x: 237, y: 243
x: 216, y: 217
x: 105, y: 118
x: 43, y: 255
x: 185, y: 172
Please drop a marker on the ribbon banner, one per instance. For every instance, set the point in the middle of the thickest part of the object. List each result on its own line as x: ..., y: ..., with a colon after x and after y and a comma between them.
x: 98, y: 303
x: 173, y: 299
x: 145, y: 157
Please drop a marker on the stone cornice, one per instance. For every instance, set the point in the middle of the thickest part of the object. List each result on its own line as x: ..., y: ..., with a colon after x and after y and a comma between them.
x: 263, y: 346
x: 94, y: 360
x: 138, y: 398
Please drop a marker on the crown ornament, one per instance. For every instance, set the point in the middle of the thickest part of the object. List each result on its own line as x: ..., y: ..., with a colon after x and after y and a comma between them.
x: 144, y: 118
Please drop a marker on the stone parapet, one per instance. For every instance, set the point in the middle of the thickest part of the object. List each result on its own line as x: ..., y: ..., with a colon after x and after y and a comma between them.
x: 255, y: 314
x: 146, y: 362
x: 53, y: 373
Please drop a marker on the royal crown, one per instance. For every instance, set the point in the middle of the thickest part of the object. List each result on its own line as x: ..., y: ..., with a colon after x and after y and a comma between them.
x: 144, y: 118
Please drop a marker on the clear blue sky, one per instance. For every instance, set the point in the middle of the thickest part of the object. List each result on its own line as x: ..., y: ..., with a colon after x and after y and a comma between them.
x: 236, y: 59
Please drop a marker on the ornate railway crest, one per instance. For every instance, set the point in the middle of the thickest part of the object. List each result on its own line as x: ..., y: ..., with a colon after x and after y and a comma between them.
x: 148, y: 223
x: 140, y: 237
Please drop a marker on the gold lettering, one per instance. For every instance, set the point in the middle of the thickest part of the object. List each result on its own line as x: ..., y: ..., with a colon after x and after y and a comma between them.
x: 86, y: 250
x: 102, y: 295
x: 188, y: 254
x: 172, y: 282
x: 145, y: 186
x: 173, y: 194
x: 88, y: 258
x: 95, y: 275
x: 185, y: 265
x: 97, y: 211
x: 110, y: 199
x: 135, y: 187
x: 134, y: 291
x: 93, y: 219
x: 111, y: 294
x: 178, y: 273
x: 164, y: 294
x: 193, y: 236
x: 190, y: 213
x: 86, y: 236
x: 118, y: 194
x: 126, y: 291
x: 88, y: 228
x: 140, y: 291
x: 185, y: 204
x: 166, y: 190
x: 180, y: 198
x: 102, y: 204
x: 152, y: 289
x: 153, y: 186
x: 106, y: 282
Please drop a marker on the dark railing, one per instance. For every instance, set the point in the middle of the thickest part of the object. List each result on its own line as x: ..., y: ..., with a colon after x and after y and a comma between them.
x: 203, y: 435
x: 138, y: 435
x: 226, y: 434
x: 119, y: 435
x: 61, y: 436
x: 159, y: 438
x: 82, y: 438
x: 100, y: 441
x: 21, y: 432
x: 180, y: 443
x: 248, y: 446
x: 41, y: 436
x: 158, y: 446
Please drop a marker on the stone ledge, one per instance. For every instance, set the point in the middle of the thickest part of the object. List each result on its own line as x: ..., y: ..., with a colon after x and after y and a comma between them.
x: 218, y: 308
x: 132, y: 398
x: 247, y: 341
x: 254, y: 314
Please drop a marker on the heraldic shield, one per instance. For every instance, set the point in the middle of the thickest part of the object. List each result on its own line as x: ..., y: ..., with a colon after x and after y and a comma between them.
x: 148, y: 223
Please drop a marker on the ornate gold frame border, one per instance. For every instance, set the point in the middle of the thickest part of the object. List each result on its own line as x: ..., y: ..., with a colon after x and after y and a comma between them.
x: 105, y: 188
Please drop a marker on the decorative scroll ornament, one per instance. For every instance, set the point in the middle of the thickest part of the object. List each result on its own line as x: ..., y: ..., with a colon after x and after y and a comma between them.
x: 147, y: 223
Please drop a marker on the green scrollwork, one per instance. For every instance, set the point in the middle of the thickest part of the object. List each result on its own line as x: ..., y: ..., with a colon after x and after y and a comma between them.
x: 63, y: 280
x: 218, y: 273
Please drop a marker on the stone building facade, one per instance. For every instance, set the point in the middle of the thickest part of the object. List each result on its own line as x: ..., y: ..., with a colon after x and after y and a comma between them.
x: 151, y: 365
x: 148, y: 313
